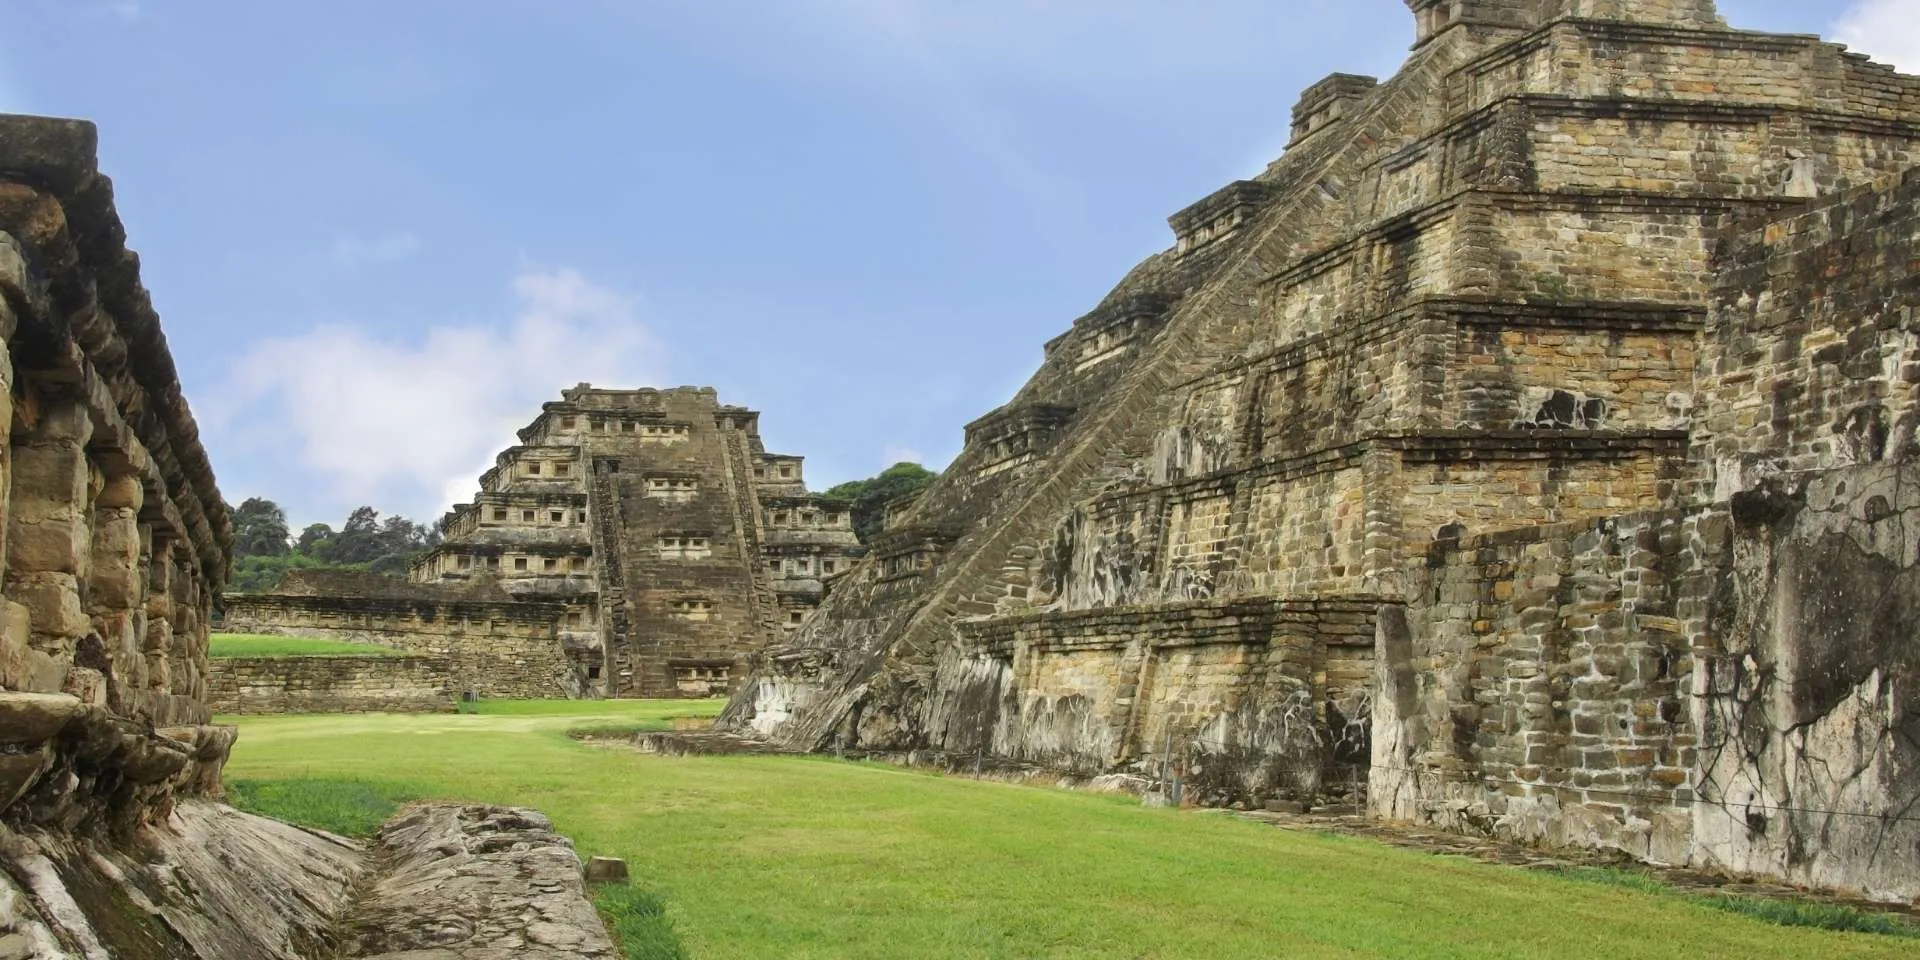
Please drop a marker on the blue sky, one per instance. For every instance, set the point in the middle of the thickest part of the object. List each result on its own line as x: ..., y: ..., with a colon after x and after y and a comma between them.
x: 380, y: 233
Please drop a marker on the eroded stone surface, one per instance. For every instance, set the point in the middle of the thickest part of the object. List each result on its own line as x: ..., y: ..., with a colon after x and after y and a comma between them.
x: 210, y: 883
x: 476, y: 883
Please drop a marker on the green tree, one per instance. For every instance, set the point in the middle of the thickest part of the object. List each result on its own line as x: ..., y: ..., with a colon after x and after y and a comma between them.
x: 870, y: 496
x: 313, y: 539
x: 259, y: 529
x: 365, y: 542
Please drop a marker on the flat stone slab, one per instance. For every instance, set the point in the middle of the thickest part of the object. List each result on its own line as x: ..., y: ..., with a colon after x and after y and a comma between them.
x: 34, y: 717
x: 710, y: 743
x: 467, y: 882
x: 605, y: 869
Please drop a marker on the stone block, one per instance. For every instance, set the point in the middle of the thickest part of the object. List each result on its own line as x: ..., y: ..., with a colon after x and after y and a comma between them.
x: 13, y: 270
x: 159, y: 635
x: 605, y: 870
x: 63, y: 425
x: 13, y: 647
x: 124, y: 492
x: 159, y: 671
x: 46, y: 672
x: 52, y: 600
x: 47, y: 538
x: 114, y: 578
x: 87, y: 684
x: 35, y: 717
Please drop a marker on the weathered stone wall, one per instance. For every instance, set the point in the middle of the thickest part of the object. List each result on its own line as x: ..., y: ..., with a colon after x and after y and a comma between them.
x: 1728, y: 686
x: 1252, y: 693
x: 372, y: 684
x: 496, y: 648
x: 1731, y: 684
x: 1539, y: 686
x: 1806, y: 694
x: 115, y: 536
x: 1814, y: 346
x: 114, y: 541
x: 113, y: 533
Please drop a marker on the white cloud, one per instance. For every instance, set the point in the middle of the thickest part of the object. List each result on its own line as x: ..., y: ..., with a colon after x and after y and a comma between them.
x: 349, y: 250
x: 128, y: 10
x: 895, y: 453
x: 1887, y: 30
x: 410, y: 423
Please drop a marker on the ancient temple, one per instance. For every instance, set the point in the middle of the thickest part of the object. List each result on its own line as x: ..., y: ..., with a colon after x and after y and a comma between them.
x: 1521, y: 452
x: 634, y: 543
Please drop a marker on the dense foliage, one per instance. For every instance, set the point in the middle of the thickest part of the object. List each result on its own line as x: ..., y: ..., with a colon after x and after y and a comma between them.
x: 264, y: 549
x: 870, y: 496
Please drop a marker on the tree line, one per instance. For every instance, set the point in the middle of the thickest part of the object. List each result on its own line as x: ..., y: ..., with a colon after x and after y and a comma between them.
x: 264, y: 549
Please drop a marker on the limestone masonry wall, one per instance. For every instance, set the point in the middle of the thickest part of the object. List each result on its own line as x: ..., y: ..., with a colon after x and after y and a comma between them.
x: 1477, y: 460
x: 113, y: 533
x: 493, y: 646
x: 390, y: 684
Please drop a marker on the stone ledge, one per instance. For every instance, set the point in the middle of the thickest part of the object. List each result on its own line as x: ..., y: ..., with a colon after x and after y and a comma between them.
x: 74, y: 766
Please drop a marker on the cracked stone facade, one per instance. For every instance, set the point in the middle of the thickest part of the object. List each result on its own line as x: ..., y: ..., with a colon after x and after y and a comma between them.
x: 1413, y: 472
x: 635, y: 543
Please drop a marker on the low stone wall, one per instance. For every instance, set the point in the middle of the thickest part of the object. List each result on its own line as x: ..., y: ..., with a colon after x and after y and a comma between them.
x: 381, y: 684
x: 1260, y: 699
x: 497, y: 649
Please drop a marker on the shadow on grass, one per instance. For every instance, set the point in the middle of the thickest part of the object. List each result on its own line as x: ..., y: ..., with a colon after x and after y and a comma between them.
x: 1786, y: 913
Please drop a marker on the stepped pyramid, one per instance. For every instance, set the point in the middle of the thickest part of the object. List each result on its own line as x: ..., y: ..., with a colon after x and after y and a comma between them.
x: 1429, y: 468
x: 672, y: 544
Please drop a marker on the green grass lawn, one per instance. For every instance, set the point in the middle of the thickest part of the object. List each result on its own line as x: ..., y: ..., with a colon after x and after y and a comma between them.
x: 229, y: 645
x: 633, y: 711
x: 810, y: 857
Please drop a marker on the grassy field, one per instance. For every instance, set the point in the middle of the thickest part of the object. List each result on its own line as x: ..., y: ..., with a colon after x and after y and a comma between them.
x: 816, y: 858
x: 228, y: 645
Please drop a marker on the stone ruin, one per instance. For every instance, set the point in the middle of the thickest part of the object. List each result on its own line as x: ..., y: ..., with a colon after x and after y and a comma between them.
x: 115, y: 540
x: 1523, y: 452
x: 635, y: 543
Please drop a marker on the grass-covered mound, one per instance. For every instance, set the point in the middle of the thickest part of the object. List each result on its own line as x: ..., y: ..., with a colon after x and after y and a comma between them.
x: 753, y: 856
